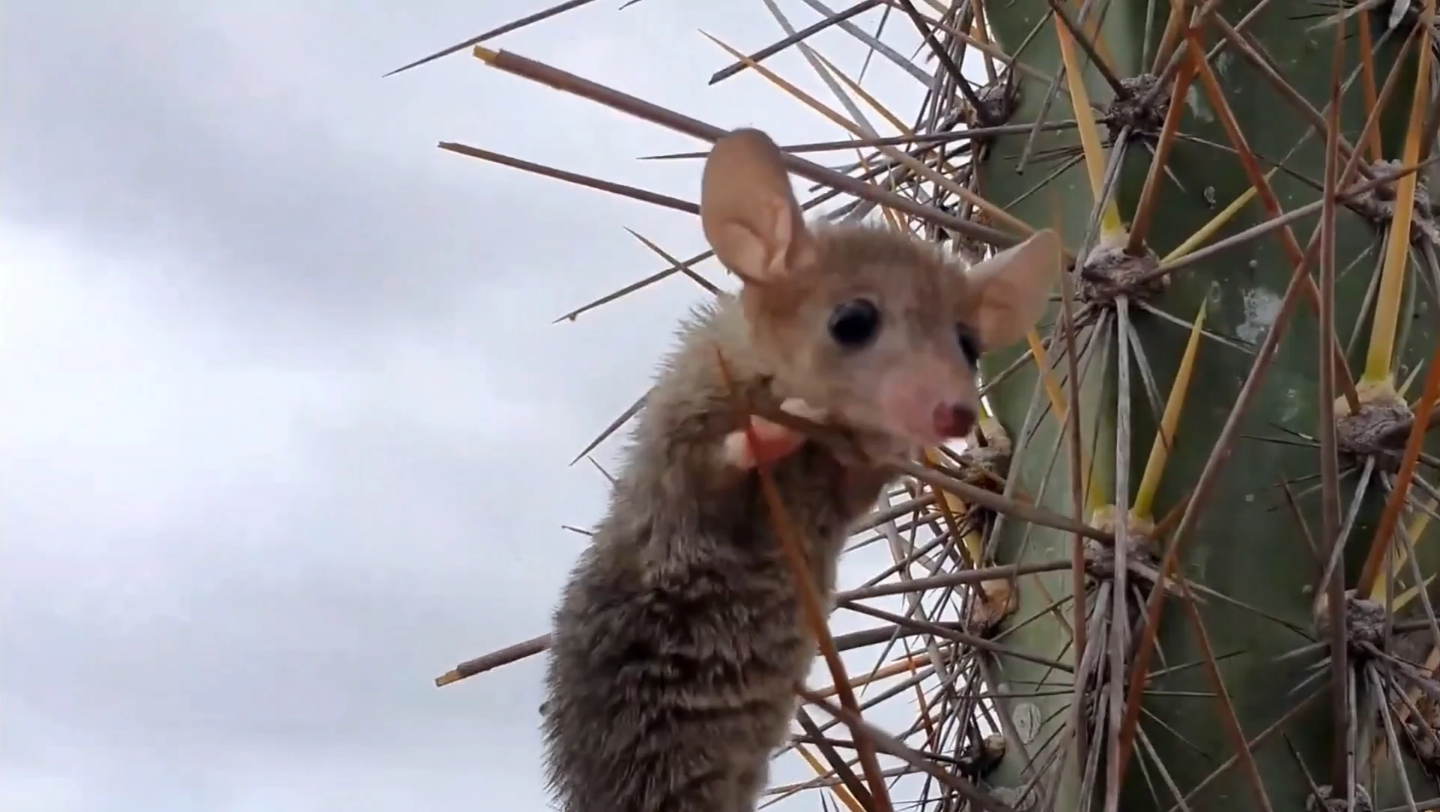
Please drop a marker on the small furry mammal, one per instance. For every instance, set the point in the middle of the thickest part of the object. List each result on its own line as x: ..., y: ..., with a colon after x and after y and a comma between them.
x: 680, y: 639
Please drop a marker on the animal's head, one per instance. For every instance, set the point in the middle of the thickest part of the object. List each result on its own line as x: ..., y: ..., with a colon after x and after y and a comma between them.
x: 875, y: 327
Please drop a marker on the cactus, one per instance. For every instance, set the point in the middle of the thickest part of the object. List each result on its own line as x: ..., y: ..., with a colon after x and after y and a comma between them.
x: 1217, y: 437
x: 1182, y: 139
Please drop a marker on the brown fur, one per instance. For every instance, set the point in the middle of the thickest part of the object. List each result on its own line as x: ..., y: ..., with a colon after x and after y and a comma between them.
x: 679, y: 640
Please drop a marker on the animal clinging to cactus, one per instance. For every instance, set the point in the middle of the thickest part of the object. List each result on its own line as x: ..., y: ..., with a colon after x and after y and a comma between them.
x: 680, y: 639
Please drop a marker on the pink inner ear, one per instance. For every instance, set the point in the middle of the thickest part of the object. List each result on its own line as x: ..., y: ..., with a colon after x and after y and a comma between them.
x: 777, y: 239
x: 994, y: 307
x: 989, y: 320
x: 743, y: 250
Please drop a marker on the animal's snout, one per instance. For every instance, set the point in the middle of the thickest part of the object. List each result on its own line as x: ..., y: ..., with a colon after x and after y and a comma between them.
x: 926, y: 402
x: 953, y: 419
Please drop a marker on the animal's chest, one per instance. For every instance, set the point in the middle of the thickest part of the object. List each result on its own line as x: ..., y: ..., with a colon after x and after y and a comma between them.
x: 821, y: 500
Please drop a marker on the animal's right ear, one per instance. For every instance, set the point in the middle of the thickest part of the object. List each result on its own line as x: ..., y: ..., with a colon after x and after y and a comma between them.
x: 1009, y: 291
x: 748, y: 211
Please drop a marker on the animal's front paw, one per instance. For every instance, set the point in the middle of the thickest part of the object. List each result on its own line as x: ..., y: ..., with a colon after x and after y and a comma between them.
x: 852, y: 445
x: 772, y: 441
x: 801, y: 409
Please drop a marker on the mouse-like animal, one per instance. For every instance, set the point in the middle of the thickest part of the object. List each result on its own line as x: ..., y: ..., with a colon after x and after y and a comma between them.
x: 680, y: 638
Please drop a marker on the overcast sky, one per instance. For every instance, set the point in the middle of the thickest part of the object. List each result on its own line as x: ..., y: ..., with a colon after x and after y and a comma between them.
x: 286, y: 425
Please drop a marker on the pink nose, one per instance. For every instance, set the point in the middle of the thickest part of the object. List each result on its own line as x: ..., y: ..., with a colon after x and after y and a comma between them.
x: 953, y: 420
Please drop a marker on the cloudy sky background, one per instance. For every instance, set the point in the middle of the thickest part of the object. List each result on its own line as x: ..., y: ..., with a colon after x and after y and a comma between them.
x: 285, y: 423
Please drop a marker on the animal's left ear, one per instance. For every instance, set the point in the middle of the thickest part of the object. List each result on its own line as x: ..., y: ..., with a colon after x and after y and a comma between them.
x: 749, y: 213
x: 1008, y: 292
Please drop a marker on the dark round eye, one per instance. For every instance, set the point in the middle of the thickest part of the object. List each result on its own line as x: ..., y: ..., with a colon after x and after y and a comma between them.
x: 969, y: 346
x: 855, y: 323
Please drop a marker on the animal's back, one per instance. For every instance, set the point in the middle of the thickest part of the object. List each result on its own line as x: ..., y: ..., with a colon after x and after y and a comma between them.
x: 680, y: 638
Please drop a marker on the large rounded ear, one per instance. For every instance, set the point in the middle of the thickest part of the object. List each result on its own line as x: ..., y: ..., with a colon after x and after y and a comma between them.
x: 1008, y: 292
x: 748, y: 211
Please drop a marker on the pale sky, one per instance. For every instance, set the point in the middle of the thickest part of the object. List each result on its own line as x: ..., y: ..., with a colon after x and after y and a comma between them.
x: 285, y: 423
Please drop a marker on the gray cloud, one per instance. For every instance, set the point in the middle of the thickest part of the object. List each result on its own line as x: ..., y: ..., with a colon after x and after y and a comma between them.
x: 285, y: 423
